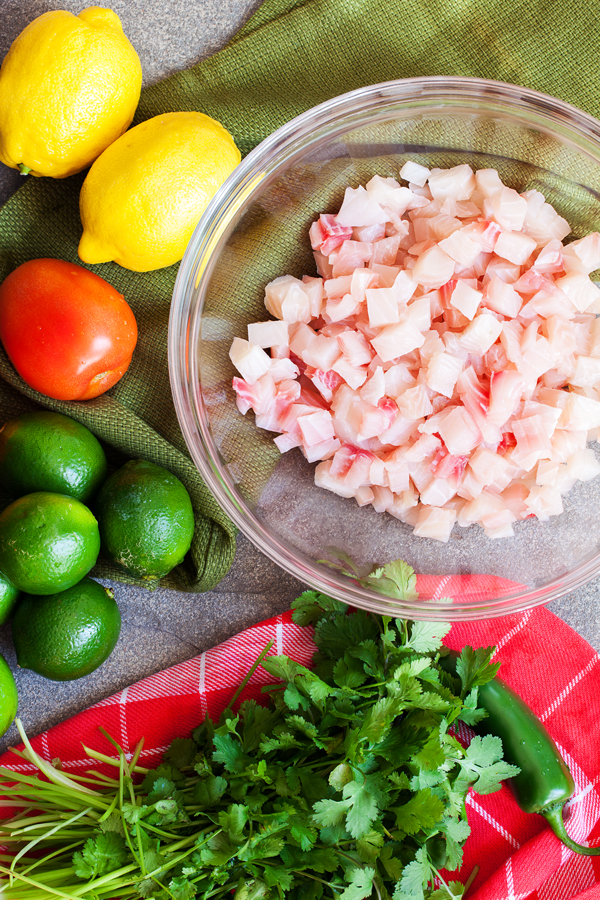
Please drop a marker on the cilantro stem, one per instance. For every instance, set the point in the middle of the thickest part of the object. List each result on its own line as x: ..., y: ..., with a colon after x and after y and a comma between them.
x: 471, y: 879
x: 314, y: 878
x: 246, y: 679
x: 47, y: 834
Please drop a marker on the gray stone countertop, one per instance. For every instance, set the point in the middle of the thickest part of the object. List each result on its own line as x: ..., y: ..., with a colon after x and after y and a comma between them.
x: 165, y: 627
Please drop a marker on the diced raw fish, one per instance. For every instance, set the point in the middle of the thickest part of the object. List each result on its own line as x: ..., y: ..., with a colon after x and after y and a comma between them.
x: 479, y: 335
x: 442, y: 373
x: 323, y: 450
x: 483, y: 232
x: 373, y: 389
x: 414, y: 403
x: 488, y: 182
x: 359, y: 208
x: 382, y: 306
x: 586, y: 372
x: 466, y: 299
x: 580, y: 414
x: 433, y: 268
x: 350, y: 256
x: 435, y: 523
x: 384, y: 252
x: 583, y: 465
x: 544, y: 501
x: 550, y: 258
x: 459, y: 432
x: 333, y: 483
x: 580, y: 290
x: 326, y: 382
x: 415, y: 173
x: 514, y: 246
x: 506, y: 389
x: 314, y: 290
x: 282, y: 369
x: 507, y: 208
x: 429, y: 357
x: 583, y: 255
x: 354, y: 376
x: 251, y: 361
x: 457, y: 182
x: 386, y: 275
x: 394, y: 341
x: 388, y: 193
x: 445, y: 465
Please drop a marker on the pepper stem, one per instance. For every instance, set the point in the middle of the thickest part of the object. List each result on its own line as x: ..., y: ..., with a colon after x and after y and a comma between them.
x: 553, y: 815
x: 24, y: 170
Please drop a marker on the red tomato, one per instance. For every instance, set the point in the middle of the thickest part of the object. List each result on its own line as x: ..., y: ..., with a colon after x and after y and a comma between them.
x: 68, y: 333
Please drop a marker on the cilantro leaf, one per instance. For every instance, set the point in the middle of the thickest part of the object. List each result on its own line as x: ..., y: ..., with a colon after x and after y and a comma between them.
x: 361, y: 884
x: 182, y: 752
x: 426, y: 637
x: 474, y: 668
x: 423, y: 810
x: 395, y: 579
x: 415, y: 878
x: 483, y: 766
x: 100, y: 855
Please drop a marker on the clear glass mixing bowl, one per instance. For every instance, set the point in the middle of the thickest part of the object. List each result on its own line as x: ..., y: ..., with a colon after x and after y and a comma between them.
x: 255, y: 229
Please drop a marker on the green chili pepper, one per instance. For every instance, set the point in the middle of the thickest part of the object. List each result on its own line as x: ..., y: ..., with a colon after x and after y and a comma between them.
x: 544, y: 783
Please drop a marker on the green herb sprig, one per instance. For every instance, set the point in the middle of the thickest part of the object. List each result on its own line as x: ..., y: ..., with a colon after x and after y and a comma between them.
x: 348, y: 784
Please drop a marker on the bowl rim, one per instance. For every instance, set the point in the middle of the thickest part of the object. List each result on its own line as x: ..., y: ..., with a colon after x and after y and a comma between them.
x: 195, y: 267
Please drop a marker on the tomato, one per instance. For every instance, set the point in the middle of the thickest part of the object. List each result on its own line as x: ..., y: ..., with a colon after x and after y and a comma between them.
x: 68, y: 332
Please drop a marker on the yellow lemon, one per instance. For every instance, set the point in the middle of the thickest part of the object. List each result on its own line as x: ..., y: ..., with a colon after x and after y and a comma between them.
x: 69, y: 86
x: 143, y: 197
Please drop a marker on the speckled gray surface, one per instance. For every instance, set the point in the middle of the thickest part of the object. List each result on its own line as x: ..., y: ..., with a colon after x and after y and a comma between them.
x: 165, y: 627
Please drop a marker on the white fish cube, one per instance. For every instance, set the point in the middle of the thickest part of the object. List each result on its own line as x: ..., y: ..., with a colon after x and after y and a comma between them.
x: 481, y: 333
x: 580, y: 290
x: 435, y: 523
x: 251, y: 362
x: 269, y: 334
x: 415, y: 173
x: 514, y: 246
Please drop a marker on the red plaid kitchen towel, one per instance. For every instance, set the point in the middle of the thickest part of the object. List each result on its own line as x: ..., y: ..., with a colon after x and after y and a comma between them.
x: 551, y: 666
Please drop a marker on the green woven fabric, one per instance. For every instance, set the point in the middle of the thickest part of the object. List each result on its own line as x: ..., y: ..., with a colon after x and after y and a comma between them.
x: 289, y: 56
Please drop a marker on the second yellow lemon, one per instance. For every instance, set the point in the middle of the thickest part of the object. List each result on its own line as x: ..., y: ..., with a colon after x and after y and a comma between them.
x: 143, y: 197
x: 69, y: 86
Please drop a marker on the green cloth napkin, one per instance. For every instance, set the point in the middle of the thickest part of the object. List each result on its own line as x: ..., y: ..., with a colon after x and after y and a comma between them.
x: 291, y: 55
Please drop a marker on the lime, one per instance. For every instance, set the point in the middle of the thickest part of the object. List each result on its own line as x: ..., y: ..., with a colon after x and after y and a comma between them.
x: 145, y: 518
x: 47, y: 542
x: 66, y: 635
x: 8, y: 696
x: 46, y: 451
x: 8, y: 598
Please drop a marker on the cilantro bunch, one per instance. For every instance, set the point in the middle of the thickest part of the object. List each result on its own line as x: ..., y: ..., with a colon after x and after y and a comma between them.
x: 348, y: 784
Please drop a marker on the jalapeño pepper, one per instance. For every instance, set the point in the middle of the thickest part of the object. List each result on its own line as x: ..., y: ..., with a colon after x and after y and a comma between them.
x: 544, y: 783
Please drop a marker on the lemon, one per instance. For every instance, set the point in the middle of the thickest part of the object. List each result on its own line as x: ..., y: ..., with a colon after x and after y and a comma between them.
x: 46, y: 451
x: 66, y: 635
x: 145, y: 518
x: 143, y: 197
x: 48, y: 542
x: 69, y: 86
x: 8, y: 696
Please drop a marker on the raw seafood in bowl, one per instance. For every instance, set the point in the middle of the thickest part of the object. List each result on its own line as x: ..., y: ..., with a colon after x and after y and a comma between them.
x: 259, y: 229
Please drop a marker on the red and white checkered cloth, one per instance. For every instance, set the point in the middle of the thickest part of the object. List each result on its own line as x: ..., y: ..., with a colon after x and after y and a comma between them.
x: 545, y: 661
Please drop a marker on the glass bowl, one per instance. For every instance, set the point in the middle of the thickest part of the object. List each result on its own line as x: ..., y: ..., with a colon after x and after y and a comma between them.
x: 256, y: 229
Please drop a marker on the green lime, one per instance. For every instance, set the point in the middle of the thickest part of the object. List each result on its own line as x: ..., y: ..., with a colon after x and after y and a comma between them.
x: 47, y: 542
x: 8, y: 696
x: 66, y: 635
x: 46, y: 451
x: 146, y: 519
x: 8, y: 598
